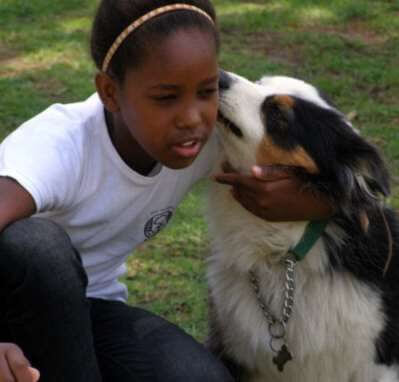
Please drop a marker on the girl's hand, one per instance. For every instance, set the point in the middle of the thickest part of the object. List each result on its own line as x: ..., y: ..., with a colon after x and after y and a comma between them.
x: 274, y: 193
x: 14, y: 367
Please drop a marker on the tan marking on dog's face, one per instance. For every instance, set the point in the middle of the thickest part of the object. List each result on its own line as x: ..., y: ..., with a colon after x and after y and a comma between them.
x: 284, y: 101
x: 270, y: 154
x: 364, y: 221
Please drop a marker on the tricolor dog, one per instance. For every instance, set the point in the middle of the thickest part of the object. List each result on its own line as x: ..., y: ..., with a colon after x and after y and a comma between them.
x: 303, y: 301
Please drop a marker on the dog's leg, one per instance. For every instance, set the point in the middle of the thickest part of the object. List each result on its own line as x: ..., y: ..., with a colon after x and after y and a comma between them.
x: 389, y: 374
x: 376, y: 373
x: 215, y: 344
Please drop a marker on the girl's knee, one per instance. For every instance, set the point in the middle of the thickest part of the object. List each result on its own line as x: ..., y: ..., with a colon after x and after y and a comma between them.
x: 32, y: 235
x: 39, y: 253
x: 185, y: 359
x: 198, y: 366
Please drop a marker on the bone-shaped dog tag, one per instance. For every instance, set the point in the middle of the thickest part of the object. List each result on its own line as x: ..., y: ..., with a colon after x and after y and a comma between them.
x: 282, y: 357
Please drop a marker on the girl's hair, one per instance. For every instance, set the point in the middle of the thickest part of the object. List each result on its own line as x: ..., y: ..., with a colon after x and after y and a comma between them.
x: 113, y: 16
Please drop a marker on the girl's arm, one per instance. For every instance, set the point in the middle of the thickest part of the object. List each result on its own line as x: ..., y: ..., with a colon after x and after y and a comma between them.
x: 15, y: 202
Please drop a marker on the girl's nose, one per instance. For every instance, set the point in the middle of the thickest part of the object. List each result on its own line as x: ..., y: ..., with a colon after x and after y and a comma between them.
x: 190, y: 117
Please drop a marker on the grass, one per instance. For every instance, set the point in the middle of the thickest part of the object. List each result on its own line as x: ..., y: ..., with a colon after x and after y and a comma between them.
x: 348, y: 48
x: 166, y: 274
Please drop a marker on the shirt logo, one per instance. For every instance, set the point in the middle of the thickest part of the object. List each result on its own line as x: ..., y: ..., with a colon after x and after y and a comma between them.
x: 157, y: 222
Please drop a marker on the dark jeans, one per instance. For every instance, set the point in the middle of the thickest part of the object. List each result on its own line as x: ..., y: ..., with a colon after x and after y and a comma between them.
x: 71, y: 338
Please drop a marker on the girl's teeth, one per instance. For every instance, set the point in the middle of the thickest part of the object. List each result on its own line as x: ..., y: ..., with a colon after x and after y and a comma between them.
x: 188, y: 143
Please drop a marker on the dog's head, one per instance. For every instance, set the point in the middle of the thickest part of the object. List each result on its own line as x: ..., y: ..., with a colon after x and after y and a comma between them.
x: 285, y: 121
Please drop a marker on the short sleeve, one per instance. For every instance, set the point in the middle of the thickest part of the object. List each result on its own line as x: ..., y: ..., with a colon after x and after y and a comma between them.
x: 45, y: 162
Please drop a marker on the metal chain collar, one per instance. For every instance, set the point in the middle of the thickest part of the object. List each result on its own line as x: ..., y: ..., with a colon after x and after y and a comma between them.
x: 277, y: 327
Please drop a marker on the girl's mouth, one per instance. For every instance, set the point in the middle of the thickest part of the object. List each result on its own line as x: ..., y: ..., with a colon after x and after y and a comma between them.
x: 188, y: 149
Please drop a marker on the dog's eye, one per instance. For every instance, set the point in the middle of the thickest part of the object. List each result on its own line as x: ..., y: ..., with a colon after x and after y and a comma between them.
x: 235, y: 130
x: 230, y: 125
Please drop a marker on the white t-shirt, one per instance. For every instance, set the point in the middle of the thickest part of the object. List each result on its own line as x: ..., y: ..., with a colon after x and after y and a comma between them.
x: 65, y: 159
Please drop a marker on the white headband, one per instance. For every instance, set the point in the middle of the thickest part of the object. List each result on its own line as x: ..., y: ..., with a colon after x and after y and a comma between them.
x: 140, y: 21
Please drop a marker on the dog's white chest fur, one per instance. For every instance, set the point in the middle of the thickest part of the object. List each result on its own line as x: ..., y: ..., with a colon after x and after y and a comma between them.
x: 336, y: 318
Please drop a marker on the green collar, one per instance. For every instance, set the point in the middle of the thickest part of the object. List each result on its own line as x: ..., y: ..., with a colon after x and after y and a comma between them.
x: 313, y: 232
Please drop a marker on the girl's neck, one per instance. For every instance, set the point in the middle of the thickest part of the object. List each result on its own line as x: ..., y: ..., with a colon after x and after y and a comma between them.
x: 128, y: 148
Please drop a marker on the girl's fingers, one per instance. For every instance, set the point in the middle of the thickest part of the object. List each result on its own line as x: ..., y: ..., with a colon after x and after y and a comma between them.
x: 235, y: 179
x: 19, y: 365
x: 270, y: 173
x: 226, y: 167
x: 259, y: 176
x: 245, y: 200
x: 34, y: 373
x: 244, y: 191
x: 5, y: 371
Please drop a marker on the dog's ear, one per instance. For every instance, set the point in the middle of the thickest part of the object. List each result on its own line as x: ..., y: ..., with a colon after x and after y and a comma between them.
x: 356, y: 164
x: 362, y: 178
x: 372, y: 169
x: 355, y: 161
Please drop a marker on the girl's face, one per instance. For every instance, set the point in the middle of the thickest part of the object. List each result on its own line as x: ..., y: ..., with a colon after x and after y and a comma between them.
x: 168, y: 106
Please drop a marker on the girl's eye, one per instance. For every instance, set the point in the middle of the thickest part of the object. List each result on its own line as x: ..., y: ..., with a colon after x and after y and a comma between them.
x: 209, y: 92
x: 164, y: 97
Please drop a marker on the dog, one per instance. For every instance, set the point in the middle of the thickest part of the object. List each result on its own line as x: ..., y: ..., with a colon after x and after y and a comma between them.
x: 331, y: 312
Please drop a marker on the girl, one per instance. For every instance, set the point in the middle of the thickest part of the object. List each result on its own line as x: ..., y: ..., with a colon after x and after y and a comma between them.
x: 102, y: 176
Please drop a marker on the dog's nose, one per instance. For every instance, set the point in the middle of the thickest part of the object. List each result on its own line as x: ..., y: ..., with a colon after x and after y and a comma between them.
x: 224, y: 80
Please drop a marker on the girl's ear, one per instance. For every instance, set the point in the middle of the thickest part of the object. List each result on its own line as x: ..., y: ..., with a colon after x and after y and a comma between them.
x: 107, y: 89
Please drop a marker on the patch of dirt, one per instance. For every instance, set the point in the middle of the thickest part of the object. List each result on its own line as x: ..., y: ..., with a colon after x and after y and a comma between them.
x: 275, y: 48
x: 261, y: 2
x: 52, y: 88
x: 354, y: 30
x: 15, y: 65
x: 7, y: 55
x: 271, y: 44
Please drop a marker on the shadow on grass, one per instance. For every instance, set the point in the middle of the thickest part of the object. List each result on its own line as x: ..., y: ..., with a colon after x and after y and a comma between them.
x: 21, y: 12
x: 255, y: 14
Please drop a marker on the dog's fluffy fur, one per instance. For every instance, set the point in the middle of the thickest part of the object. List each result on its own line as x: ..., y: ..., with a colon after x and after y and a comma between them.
x: 345, y: 323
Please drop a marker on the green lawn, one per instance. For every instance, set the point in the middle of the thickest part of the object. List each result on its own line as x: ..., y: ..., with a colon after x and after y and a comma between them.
x: 349, y: 48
